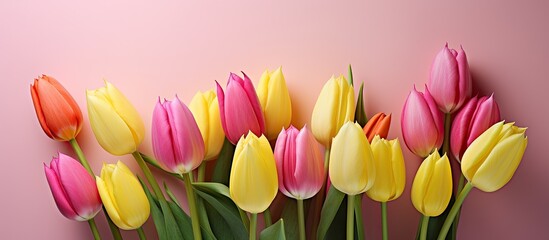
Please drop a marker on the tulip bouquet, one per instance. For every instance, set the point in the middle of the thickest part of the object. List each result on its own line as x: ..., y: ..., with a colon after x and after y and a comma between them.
x: 309, y: 181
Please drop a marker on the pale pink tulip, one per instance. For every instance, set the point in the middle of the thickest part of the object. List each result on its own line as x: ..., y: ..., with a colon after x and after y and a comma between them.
x: 422, y: 123
x: 450, y: 80
x: 239, y: 108
x: 176, y: 139
x: 473, y: 119
x: 73, y: 188
x: 299, y: 162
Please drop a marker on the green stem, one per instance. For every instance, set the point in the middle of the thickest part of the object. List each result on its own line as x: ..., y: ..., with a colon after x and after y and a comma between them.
x: 253, y: 226
x: 424, y: 226
x: 93, y: 228
x: 359, y: 221
x: 142, y: 235
x: 447, y: 125
x: 81, y: 156
x: 76, y: 147
x: 301, y: 219
x: 201, y: 172
x: 460, y: 187
x: 384, y: 220
x: 267, y: 218
x: 453, y: 212
x: 192, y: 206
x: 149, y: 176
x: 326, y: 161
x: 350, y: 217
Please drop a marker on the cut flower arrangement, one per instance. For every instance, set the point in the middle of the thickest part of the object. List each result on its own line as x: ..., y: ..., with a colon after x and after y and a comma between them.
x: 300, y: 180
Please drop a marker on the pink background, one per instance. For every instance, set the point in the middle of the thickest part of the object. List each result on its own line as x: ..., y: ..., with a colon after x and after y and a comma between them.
x: 149, y: 50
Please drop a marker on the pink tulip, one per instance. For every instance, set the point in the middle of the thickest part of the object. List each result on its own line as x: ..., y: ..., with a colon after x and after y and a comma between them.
x: 472, y: 120
x: 299, y: 162
x: 422, y: 124
x: 239, y: 108
x: 450, y: 81
x: 176, y: 139
x: 73, y: 188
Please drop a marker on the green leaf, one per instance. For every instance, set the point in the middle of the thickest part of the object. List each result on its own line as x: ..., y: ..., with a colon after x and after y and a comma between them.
x: 182, y: 220
x: 223, y: 163
x: 228, y: 211
x: 172, y: 228
x: 360, y: 113
x: 156, y: 213
x: 207, y: 232
x: 350, y: 75
x: 329, y: 211
x: 275, y: 231
x: 212, y: 188
x: 290, y: 214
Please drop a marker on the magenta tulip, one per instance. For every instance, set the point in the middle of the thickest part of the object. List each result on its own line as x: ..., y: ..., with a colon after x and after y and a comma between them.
x: 450, y: 80
x: 73, y: 188
x: 421, y: 123
x: 176, y: 139
x: 473, y: 119
x: 299, y: 162
x: 239, y: 108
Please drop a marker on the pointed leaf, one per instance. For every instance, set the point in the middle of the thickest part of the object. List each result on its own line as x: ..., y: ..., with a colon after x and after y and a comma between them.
x: 228, y: 211
x: 289, y: 213
x: 156, y: 213
x: 275, y: 231
x: 360, y: 113
x: 329, y: 211
x: 223, y: 163
x: 183, y: 221
x: 350, y: 75
x: 207, y: 232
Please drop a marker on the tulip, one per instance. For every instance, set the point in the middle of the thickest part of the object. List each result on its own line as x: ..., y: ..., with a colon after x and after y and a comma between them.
x: 205, y: 109
x: 176, y: 139
x: 58, y: 114
x: 450, y: 80
x: 432, y: 186
x: 299, y: 163
x: 352, y: 168
x: 239, y: 108
x: 378, y: 125
x: 253, y: 182
x: 275, y: 101
x: 472, y: 120
x: 422, y: 125
x: 123, y: 196
x: 116, y: 124
x: 390, y: 170
x: 492, y: 159
x: 335, y: 106
x: 73, y: 188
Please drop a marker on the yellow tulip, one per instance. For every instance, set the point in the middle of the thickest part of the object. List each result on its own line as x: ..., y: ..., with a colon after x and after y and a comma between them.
x: 335, y: 106
x: 275, y: 102
x: 116, y: 124
x: 432, y: 187
x: 352, y: 168
x: 491, y: 160
x: 390, y: 170
x: 253, y: 181
x: 123, y: 197
x: 205, y: 109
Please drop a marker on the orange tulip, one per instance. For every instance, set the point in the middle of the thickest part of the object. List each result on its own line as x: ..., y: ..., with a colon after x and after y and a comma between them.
x: 57, y: 112
x: 379, y: 124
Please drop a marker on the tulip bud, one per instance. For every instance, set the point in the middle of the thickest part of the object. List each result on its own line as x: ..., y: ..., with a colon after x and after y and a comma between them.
x: 422, y: 124
x: 116, y: 124
x: 335, y: 106
x: 205, y: 109
x: 352, y: 168
x: 432, y: 186
x: 58, y: 114
x: 239, y: 108
x: 491, y: 160
x: 390, y: 170
x: 123, y: 196
x: 379, y: 124
x: 450, y: 81
x: 299, y: 163
x: 176, y: 139
x: 73, y: 188
x: 472, y: 120
x: 253, y: 182
x: 275, y: 101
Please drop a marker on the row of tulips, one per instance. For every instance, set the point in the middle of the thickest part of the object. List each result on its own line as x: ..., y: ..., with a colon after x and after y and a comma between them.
x: 260, y: 153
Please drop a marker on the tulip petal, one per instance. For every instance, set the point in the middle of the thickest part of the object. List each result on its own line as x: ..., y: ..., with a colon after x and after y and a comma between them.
x: 324, y: 113
x: 309, y: 169
x: 460, y: 128
x: 444, y: 80
x: 59, y: 195
x: 162, y: 139
x: 131, y: 200
x: 479, y: 149
x: 110, y: 204
x: 241, y: 118
x: 127, y: 112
